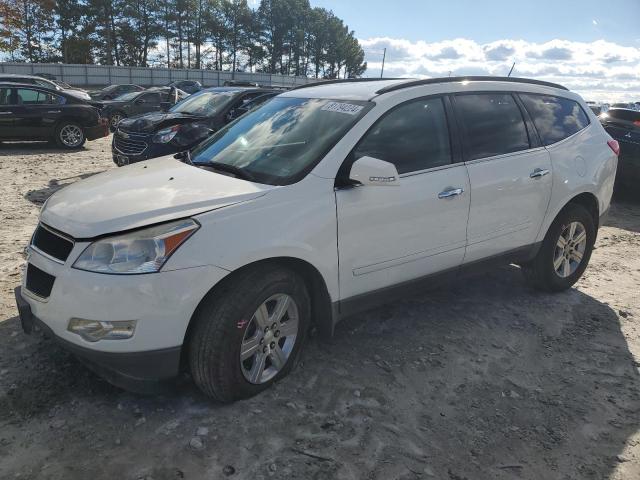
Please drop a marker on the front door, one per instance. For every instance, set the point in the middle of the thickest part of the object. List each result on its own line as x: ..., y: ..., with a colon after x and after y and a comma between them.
x: 510, y: 180
x: 391, y: 234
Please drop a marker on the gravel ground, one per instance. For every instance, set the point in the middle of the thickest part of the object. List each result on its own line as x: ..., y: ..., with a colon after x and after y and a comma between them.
x: 485, y: 379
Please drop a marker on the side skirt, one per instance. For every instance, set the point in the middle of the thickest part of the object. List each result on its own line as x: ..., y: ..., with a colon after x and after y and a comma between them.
x: 366, y: 301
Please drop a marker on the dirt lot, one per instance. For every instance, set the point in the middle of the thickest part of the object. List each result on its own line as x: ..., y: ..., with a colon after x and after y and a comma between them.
x: 483, y: 380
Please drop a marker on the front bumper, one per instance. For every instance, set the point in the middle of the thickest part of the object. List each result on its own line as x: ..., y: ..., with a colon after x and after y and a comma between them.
x: 162, y: 305
x: 142, y: 372
x: 98, y: 131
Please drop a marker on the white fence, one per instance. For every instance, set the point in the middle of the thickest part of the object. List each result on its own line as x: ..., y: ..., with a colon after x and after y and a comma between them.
x: 101, y: 75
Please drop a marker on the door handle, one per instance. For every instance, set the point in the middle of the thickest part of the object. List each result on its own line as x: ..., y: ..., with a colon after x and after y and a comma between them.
x: 6, y: 113
x: 539, y: 172
x: 53, y: 111
x: 450, y: 192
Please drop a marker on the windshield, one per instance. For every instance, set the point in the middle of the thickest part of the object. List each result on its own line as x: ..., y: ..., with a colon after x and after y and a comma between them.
x: 128, y: 96
x: 204, y: 104
x: 282, y: 139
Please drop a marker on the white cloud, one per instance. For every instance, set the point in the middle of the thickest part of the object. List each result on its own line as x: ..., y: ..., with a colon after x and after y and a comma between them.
x: 598, y: 70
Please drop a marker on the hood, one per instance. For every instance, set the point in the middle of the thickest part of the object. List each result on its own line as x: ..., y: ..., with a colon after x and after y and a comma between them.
x: 152, y: 122
x: 142, y: 194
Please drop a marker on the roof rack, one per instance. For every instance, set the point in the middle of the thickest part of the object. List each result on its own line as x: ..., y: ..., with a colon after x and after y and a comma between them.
x: 342, y: 80
x: 481, y: 78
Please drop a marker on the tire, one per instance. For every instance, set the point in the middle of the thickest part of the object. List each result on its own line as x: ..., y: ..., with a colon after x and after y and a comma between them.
x: 541, y: 273
x: 69, y: 135
x: 114, y: 118
x: 229, y: 317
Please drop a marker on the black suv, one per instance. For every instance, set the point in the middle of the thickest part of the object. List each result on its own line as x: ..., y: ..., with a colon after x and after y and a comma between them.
x: 185, y: 125
x: 624, y: 125
x: 32, y: 112
x: 136, y: 103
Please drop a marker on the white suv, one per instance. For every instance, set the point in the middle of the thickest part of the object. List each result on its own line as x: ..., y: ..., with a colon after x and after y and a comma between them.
x: 320, y: 203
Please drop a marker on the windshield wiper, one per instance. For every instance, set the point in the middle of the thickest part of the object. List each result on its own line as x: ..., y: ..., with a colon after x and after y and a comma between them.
x: 224, y: 167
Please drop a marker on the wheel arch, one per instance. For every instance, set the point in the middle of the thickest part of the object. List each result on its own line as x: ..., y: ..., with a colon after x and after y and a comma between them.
x: 590, y: 202
x: 322, y: 314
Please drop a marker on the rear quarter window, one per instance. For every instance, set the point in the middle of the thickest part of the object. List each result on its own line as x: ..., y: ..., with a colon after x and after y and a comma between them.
x: 555, y: 118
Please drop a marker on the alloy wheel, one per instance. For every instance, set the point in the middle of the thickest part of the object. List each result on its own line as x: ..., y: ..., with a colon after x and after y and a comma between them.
x: 71, y: 135
x: 269, y: 339
x: 570, y: 249
x: 115, y: 119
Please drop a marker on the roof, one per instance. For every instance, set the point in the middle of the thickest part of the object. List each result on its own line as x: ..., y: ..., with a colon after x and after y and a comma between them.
x: 20, y: 75
x: 366, y: 89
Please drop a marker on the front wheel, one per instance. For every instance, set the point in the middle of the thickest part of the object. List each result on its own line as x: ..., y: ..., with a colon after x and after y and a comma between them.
x: 70, y: 135
x: 247, y: 335
x: 114, y: 120
x: 565, y: 251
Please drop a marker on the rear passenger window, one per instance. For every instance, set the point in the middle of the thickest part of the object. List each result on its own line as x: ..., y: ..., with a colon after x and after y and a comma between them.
x: 555, y: 118
x: 413, y: 137
x: 493, y: 123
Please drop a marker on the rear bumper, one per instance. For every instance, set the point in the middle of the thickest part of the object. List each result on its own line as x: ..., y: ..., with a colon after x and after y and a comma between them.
x: 142, y: 372
x: 97, y: 131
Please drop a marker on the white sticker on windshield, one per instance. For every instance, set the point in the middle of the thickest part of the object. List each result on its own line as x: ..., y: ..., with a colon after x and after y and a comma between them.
x: 338, y: 107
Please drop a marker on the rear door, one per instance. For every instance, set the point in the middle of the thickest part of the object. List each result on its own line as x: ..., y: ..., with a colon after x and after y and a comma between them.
x: 391, y: 234
x: 510, y: 174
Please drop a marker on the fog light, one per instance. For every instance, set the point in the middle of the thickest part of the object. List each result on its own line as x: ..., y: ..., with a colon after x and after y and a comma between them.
x: 94, y: 330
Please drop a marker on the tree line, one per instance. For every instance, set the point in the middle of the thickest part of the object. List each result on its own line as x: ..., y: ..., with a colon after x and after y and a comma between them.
x: 287, y: 37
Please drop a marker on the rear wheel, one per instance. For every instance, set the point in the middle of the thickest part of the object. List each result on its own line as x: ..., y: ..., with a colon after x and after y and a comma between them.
x: 70, y: 135
x: 249, y: 333
x: 565, y: 251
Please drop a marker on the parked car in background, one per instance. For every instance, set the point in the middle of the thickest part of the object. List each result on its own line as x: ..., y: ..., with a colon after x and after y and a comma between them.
x: 48, y: 76
x: 32, y: 112
x: 184, y: 125
x: 624, y: 126
x: 114, y: 91
x: 320, y: 203
x: 43, y: 82
x: 628, y: 106
x: 139, y: 102
x: 189, y: 86
x: 596, y: 107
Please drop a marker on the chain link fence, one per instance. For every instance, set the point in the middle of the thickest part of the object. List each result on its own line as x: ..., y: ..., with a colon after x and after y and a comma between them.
x: 102, y: 75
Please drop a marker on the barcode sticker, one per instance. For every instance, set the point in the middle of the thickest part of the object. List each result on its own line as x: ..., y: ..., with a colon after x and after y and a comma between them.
x: 338, y: 107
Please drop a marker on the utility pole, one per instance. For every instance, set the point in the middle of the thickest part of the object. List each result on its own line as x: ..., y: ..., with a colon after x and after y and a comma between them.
x: 384, y: 56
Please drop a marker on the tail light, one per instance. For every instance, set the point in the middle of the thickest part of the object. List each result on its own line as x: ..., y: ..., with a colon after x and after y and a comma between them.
x: 615, y: 146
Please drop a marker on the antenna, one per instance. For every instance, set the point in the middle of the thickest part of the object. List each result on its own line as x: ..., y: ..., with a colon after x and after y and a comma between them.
x: 511, y: 71
x: 384, y: 56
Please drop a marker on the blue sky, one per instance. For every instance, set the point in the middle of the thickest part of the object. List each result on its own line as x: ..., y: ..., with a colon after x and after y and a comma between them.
x: 592, y: 46
x: 489, y: 20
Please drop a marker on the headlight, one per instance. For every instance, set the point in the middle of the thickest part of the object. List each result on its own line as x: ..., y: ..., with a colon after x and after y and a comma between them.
x: 142, y: 251
x: 166, y: 135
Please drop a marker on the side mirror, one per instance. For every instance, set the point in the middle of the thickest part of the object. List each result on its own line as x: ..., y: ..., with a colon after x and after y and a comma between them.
x: 165, y: 106
x: 373, y: 171
x: 140, y: 101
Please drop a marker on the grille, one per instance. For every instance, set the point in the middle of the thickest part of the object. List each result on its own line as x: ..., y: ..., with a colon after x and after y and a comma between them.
x: 51, y: 243
x: 39, y: 282
x: 129, y: 146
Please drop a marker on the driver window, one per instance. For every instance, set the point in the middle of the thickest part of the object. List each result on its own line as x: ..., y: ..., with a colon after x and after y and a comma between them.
x: 413, y: 136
